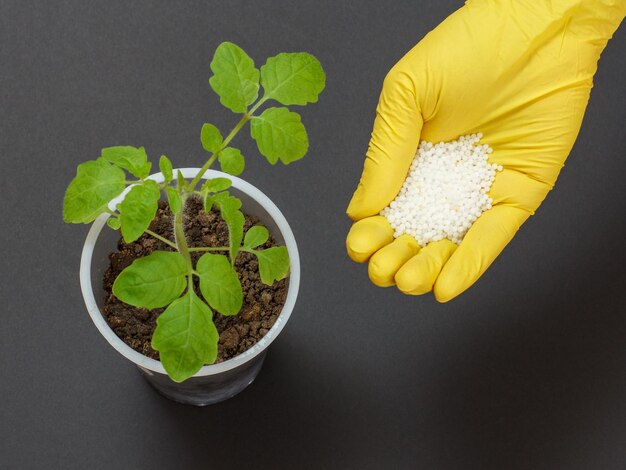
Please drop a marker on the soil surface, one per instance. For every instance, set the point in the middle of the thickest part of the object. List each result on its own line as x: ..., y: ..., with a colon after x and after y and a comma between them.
x: 261, y: 304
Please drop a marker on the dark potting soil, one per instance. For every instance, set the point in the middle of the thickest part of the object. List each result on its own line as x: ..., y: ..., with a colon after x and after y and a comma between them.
x: 261, y: 304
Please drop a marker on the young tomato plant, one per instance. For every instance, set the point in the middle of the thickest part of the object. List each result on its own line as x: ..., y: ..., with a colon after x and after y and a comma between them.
x: 185, y: 335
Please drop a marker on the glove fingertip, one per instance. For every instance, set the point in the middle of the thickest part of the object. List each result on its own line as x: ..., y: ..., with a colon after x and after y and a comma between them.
x: 367, y: 236
x: 446, y: 288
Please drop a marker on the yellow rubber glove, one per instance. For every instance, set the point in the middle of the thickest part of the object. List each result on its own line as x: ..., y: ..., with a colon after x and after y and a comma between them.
x: 520, y: 72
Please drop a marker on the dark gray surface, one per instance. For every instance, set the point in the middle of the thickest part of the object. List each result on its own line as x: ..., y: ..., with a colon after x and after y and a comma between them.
x: 526, y: 370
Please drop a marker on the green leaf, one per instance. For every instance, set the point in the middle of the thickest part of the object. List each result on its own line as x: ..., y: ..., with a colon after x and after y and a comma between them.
x: 220, y: 284
x: 226, y: 201
x: 165, y: 166
x: 280, y: 134
x: 232, y: 161
x: 208, y: 202
x: 216, y: 184
x: 138, y: 209
x: 235, y: 78
x: 180, y: 179
x: 173, y: 198
x: 273, y: 264
x: 256, y: 236
x: 235, y: 220
x: 87, y: 196
x: 114, y: 223
x: 152, y: 281
x: 293, y: 78
x: 185, y: 337
x: 129, y: 158
x: 211, y: 138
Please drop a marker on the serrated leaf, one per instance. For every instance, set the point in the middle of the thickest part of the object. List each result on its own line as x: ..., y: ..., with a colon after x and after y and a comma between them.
x: 293, y: 78
x: 220, y: 284
x: 211, y: 138
x: 280, y: 134
x: 152, y: 281
x: 235, y: 78
x: 138, y: 209
x: 273, y: 264
x: 256, y: 236
x: 232, y: 161
x: 185, y: 337
x: 87, y: 196
x: 229, y: 208
x: 173, y: 199
x: 114, y: 223
x: 129, y: 158
x: 165, y: 165
x: 215, y: 185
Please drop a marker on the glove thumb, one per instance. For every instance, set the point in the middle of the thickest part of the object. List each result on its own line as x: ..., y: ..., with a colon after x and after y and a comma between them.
x: 393, y: 144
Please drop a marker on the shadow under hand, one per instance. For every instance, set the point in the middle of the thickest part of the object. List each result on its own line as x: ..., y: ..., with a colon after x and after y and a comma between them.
x: 540, y: 384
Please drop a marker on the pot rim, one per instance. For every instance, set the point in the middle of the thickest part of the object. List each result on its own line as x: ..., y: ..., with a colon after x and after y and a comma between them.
x: 152, y: 364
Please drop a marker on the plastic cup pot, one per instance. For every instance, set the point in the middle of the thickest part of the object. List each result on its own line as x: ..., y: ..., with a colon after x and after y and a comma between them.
x: 212, y: 383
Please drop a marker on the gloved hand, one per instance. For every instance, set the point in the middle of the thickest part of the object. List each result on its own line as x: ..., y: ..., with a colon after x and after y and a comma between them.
x: 520, y: 72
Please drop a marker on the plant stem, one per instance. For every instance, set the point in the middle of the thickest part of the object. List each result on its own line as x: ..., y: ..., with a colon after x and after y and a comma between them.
x: 256, y: 106
x: 179, y: 233
x: 207, y: 248
x: 163, y: 239
x: 190, y: 281
x: 245, y: 118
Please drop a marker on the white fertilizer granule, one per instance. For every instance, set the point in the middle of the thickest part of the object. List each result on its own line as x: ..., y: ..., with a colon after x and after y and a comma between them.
x: 444, y: 192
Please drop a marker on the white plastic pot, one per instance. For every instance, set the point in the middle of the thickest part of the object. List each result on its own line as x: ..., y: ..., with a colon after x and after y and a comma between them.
x: 212, y: 383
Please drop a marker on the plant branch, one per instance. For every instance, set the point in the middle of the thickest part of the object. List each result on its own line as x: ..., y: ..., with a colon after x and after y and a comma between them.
x: 242, y: 122
x: 163, y: 239
x: 207, y: 248
x: 181, y: 242
x: 257, y: 105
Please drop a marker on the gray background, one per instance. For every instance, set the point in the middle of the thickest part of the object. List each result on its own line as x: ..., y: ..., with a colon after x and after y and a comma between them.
x: 526, y: 370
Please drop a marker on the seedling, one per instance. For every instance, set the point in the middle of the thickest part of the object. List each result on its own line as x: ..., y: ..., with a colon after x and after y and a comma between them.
x: 185, y: 335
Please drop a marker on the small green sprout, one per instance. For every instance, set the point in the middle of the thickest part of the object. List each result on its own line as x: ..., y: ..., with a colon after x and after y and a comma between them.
x: 185, y: 336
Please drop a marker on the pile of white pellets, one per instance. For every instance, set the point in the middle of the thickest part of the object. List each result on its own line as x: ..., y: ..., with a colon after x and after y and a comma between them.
x: 444, y: 192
